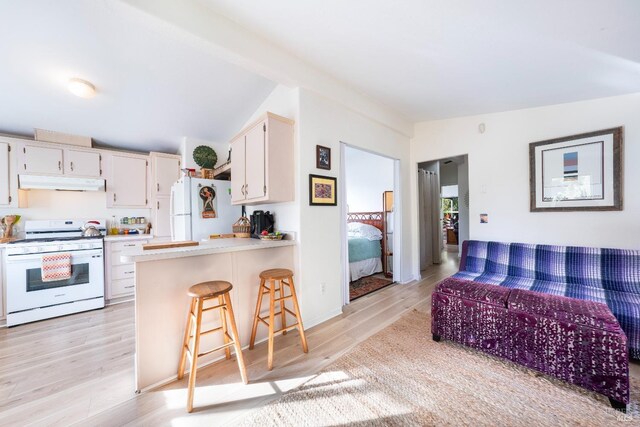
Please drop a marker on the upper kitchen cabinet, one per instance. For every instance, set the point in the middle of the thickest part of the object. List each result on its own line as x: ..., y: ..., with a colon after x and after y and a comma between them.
x: 262, y: 169
x: 165, y: 172
x: 83, y: 163
x: 9, y: 195
x: 51, y: 159
x: 5, y: 174
x: 127, y: 178
x: 38, y: 159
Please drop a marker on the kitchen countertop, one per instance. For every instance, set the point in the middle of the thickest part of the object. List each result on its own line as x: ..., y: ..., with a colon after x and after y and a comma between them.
x: 205, y: 248
x: 125, y: 237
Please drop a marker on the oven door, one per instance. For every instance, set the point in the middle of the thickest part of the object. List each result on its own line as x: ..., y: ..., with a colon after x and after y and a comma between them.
x: 26, y: 290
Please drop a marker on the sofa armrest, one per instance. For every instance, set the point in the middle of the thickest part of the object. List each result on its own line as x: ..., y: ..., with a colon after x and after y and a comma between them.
x: 463, y: 255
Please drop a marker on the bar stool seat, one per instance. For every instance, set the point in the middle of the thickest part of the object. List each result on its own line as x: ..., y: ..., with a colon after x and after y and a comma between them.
x: 276, y: 274
x: 277, y: 279
x: 209, y: 289
x: 216, y: 290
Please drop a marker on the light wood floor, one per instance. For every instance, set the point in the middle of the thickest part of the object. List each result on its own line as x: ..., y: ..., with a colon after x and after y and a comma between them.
x: 79, y: 369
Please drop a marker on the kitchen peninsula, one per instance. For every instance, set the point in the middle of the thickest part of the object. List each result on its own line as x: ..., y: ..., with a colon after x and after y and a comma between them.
x: 162, y: 278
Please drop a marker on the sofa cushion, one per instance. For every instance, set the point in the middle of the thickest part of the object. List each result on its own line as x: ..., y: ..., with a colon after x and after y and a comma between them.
x: 514, y: 282
x: 580, y: 312
x: 489, y: 294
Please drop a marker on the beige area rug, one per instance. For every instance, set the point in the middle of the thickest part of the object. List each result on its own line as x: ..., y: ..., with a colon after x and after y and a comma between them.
x: 401, y: 377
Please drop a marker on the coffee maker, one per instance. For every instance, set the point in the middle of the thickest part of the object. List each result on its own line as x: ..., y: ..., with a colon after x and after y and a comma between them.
x: 261, y: 220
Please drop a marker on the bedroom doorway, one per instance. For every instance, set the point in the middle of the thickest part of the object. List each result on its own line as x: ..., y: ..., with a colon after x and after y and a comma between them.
x: 370, y: 219
x: 443, y: 208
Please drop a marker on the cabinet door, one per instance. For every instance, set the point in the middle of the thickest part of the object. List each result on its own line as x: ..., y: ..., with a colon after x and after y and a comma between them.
x: 82, y: 163
x: 4, y: 175
x: 128, y: 181
x: 255, y: 162
x: 166, y: 171
x: 42, y: 160
x: 238, y: 150
x: 161, y: 216
x: 2, y: 291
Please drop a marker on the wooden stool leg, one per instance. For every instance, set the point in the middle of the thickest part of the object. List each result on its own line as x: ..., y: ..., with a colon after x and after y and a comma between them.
x: 272, y: 298
x: 194, y: 356
x: 255, y: 318
x: 185, y: 341
x: 236, y: 338
x: 303, y: 338
x: 283, y: 313
x: 223, y: 323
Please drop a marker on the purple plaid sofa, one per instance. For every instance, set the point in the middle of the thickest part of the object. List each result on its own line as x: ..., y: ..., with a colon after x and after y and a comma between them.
x: 609, y: 276
x: 577, y: 341
x: 563, y: 297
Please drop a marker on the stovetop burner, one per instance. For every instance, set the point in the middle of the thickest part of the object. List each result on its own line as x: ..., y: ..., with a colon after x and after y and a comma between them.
x: 55, y: 239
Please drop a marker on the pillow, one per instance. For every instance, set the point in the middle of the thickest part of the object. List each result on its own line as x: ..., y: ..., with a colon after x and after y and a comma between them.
x: 364, y: 231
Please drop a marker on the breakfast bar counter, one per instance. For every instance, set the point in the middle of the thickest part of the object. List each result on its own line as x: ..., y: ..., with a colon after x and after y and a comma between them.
x: 162, y: 278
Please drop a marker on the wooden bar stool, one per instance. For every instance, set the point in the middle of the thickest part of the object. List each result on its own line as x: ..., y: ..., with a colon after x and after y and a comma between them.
x: 282, y: 277
x: 199, y: 294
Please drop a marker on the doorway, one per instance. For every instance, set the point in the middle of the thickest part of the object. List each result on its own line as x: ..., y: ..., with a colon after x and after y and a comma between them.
x: 443, y: 208
x: 370, y: 216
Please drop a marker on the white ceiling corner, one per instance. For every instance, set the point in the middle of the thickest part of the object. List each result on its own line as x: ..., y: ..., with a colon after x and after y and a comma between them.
x: 154, y: 87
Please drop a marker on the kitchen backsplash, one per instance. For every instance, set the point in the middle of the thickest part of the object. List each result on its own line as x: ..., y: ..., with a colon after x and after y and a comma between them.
x: 47, y: 204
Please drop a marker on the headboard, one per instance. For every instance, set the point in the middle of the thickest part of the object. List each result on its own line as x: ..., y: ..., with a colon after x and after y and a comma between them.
x: 372, y: 218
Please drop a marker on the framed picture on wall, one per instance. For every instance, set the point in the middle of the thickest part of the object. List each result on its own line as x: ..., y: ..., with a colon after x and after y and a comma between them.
x: 322, y: 191
x: 577, y: 173
x: 323, y: 157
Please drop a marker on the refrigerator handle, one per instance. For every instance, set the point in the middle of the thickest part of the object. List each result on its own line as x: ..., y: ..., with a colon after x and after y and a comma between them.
x: 171, y: 211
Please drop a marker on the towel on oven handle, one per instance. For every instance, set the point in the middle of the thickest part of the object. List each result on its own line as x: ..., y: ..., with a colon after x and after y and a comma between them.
x: 56, y: 267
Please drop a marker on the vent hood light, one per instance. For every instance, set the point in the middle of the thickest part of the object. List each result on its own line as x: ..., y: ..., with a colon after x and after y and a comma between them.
x: 37, y: 182
x: 81, y: 88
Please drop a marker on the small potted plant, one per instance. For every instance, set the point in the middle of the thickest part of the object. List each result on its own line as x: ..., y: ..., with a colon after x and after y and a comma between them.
x: 206, y: 158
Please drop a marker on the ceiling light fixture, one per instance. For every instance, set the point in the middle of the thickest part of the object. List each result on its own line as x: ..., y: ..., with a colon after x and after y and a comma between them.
x: 81, y: 88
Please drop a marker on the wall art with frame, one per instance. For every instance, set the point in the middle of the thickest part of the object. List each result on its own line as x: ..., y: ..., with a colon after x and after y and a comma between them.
x: 577, y: 173
x: 322, y: 190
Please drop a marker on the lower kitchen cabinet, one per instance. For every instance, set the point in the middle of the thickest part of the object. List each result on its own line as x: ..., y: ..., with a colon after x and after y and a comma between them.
x: 2, y: 284
x: 119, y: 276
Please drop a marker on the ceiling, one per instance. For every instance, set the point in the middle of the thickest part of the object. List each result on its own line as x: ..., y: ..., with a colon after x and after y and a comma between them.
x: 153, y: 87
x: 432, y: 59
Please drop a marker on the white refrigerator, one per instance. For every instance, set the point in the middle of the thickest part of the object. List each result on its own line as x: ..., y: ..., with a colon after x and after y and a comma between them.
x: 191, y: 209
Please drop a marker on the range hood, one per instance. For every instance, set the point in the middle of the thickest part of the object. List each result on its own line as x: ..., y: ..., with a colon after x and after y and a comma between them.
x: 43, y: 182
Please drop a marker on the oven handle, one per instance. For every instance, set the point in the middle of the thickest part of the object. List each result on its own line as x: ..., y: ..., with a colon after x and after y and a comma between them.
x: 76, y: 256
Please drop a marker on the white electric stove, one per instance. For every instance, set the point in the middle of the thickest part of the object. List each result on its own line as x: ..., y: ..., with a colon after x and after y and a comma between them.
x: 29, y: 298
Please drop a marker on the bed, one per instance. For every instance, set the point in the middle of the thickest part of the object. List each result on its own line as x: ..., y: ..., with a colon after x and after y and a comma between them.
x: 364, y: 233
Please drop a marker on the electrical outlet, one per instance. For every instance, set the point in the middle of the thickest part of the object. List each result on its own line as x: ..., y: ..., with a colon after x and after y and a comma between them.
x: 323, y: 287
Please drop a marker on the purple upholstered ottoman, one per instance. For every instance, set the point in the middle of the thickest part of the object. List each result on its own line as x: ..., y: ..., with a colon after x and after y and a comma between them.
x: 577, y: 341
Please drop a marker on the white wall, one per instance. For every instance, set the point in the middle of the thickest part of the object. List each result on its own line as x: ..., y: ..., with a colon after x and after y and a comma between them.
x: 499, y: 171
x: 325, y: 122
x: 463, y: 207
x: 367, y: 177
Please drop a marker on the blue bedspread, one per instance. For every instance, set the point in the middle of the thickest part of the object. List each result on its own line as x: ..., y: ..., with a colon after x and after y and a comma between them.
x: 361, y: 249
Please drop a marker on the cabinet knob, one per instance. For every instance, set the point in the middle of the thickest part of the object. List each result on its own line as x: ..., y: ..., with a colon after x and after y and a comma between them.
x: 71, y: 166
x: 158, y: 186
x: 114, y: 197
x: 60, y: 165
x: 158, y: 205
